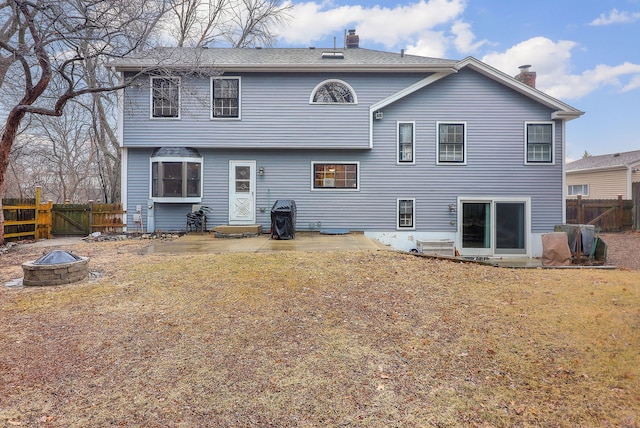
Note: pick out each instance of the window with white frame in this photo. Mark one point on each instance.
(176, 175)
(539, 142)
(578, 189)
(406, 146)
(406, 213)
(335, 175)
(333, 92)
(165, 97)
(225, 97)
(452, 142)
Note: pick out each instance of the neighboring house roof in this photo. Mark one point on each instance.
(335, 60)
(609, 161)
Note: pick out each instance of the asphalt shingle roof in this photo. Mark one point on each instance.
(294, 58)
(605, 161)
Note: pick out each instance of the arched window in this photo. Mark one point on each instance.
(333, 92)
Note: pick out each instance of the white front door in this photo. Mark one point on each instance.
(242, 192)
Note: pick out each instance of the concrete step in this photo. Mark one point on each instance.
(232, 231)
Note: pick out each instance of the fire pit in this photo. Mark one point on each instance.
(55, 268)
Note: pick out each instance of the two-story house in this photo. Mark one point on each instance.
(401, 147)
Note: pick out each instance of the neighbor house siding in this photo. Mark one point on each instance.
(276, 113)
(602, 184)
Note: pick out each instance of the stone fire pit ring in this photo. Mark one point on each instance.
(55, 268)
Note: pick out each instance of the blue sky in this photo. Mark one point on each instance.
(586, 53)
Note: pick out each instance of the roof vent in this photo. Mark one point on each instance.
(334, 55)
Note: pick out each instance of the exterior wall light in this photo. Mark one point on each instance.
(261, 170)
(452, 208)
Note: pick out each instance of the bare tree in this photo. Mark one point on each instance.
(45, 39)
(69, 42)
(237, 23)
(69, 149)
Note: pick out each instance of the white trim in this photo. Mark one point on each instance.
(253, 183)
(120, 123)
(563, 179)
(176, 78)
(464, 142)
(399, 95)
(492, 200)
(598, 169)
(239, 79)
(182, 159)
(124, 177)
(564, 111)
(413, 142)
(334, 189)
(407, 91)
(342, 82)
(553, 143)
(413, 206)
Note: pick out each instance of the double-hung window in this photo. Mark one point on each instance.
(335, 175)
(225, 98)
(539, 143)
(578, 189)
(406, 146)
(176, 175)
(452, 142)
(406, 213)
(165, 97)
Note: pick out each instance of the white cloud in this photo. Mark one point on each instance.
(430, 43)
(634, 83)
(616, 17)
(464, 38)
(552, 61)
(402, 25)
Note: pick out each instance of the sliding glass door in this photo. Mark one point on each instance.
(493, 226)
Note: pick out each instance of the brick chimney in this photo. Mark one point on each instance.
(353, 40)
(527, 77)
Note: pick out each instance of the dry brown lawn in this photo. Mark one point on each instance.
(323, 339)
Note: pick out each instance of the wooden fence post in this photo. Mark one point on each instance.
(579, 210)
(620, 211)
(90, 216)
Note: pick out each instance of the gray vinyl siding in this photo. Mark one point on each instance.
(495, 118)
(275, 113)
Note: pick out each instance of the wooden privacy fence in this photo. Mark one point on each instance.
(27, 217)
(42, 221)
(607, 215)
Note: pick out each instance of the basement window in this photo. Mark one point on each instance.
(406, 213)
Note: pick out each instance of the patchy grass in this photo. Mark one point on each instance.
(374, 339)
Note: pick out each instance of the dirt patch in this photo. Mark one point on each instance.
(359, 338)
(623, 249)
